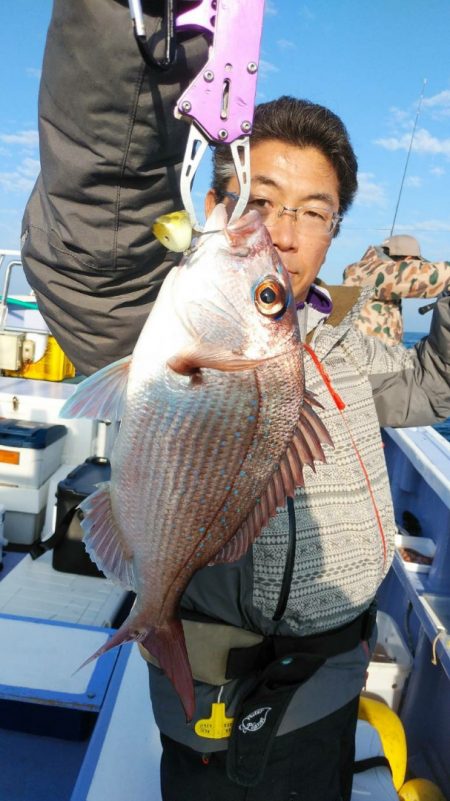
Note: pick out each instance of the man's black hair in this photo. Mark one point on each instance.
(303, 124)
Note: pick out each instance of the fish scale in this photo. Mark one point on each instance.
(216, 428)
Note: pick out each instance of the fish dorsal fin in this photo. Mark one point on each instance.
(103, 539)
(305, 448)
(102, 395)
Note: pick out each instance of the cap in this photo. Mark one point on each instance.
(402, 245)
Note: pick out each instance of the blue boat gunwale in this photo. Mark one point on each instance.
(97, 739)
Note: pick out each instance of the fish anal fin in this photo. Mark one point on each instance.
(168, 646)
(103, 539)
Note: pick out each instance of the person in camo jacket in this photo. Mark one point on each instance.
(396, 270)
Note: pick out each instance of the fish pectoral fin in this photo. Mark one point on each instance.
(103, 539)
(102, 395)
(211, 357)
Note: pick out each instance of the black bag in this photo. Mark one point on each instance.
(69, 554)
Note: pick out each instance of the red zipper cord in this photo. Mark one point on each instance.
(341, 406)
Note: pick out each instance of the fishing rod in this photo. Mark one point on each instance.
(428, 306)
(408, 154)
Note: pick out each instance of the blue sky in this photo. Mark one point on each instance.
(366, 61)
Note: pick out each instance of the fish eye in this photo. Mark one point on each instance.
(270, 297)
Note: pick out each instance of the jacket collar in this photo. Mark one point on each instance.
(344, 299)
(347, 300)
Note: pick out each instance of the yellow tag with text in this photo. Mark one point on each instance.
(217, 726)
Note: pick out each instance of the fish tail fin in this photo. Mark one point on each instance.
(126, 633)
(168, 646)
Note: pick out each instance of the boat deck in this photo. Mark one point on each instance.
(91, 736)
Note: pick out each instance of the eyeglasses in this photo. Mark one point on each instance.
(311, 220)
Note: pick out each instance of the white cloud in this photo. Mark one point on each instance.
(270, 9)
(400, 118)
(414, 181)
(26, 138)
(369, 192)
(30, 167)
(429, 225)
(399, 114)
(437, 171)
(33, 72)
(22, 179)
(423, 142)
(285, 44)
(266, 67)
(439, 103)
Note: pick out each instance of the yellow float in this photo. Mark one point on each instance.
(420, 790)
(392, 735)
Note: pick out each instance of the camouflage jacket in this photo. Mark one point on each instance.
(392, 280)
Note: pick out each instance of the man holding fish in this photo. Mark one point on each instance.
(249, 386)
(217, 431)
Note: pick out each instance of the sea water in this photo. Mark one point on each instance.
(409, 339)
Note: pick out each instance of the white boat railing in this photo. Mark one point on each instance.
(11, 253)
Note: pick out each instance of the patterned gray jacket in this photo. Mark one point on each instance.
(345, 521)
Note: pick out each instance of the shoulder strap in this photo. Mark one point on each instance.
(361, 765)
(42, 546)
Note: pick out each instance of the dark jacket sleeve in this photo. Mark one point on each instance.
(412, 388)
(111, 152)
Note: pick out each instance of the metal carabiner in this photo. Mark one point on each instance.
(170, 40)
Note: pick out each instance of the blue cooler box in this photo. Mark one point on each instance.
(29, 455)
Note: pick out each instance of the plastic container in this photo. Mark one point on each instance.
(423, 545)
(391, 663)
(29, 452)
(53, 366)
(25, 512)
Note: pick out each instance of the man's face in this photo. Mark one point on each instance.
(287, 175)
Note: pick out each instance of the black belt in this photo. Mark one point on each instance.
(282, 664)
(242, 661)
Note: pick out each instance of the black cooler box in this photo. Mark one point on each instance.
(69, 554)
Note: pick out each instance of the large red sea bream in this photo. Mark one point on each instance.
(216, 429)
